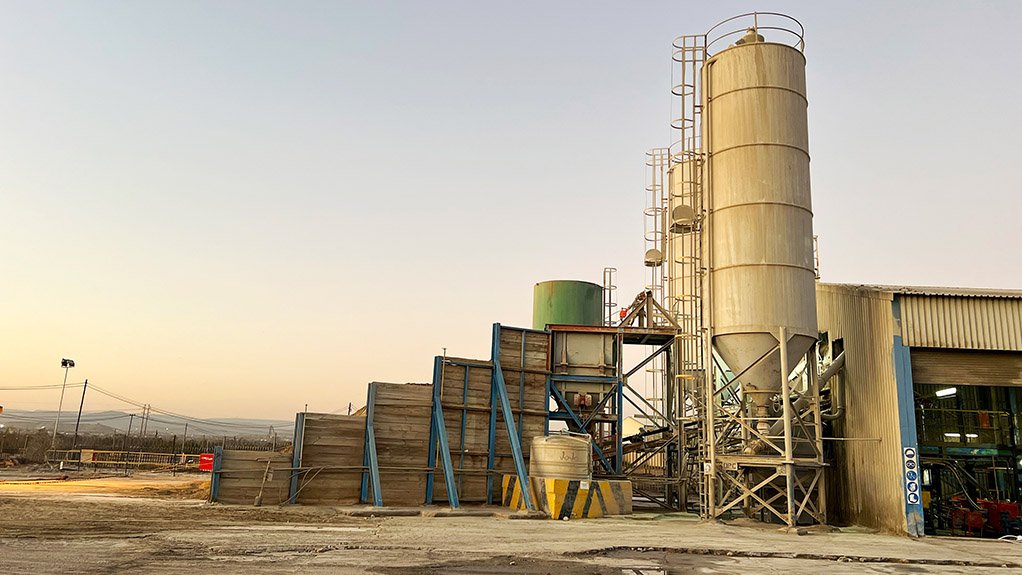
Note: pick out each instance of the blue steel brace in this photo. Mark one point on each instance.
(509, 420)
(370, 462)
(431, 453)
(906, 416)
(438, 434)
(569, 415)
(445, 456)
(296, 458)
(218, 463)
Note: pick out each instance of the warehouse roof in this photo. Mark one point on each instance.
(952, 318)
(936, 291)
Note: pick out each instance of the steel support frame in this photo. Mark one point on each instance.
(564, 412)
(668, 419)
(789, 488)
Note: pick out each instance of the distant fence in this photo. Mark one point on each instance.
(112, 460)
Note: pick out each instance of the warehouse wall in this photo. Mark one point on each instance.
(865, 485)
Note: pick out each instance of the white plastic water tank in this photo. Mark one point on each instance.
(561, 456)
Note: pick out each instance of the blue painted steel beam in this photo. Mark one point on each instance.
(584, 378)
(445, 456)
(509, 420)
(438, 441)
(296, 457)
(431, 453)
(572, 417)
(595, 410)
(907, 419)
(370, 460)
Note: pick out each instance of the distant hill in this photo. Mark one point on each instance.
(107, 422)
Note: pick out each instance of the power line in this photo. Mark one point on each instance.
(85, 417)
(38, 387)
(129, 401)
(239, 426)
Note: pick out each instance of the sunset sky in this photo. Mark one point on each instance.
(232, 209)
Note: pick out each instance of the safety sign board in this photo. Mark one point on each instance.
(911, 461)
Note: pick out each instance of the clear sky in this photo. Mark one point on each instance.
(237, 208)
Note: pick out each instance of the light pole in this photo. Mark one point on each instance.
(67, 364)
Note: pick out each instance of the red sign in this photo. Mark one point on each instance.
(206, 462)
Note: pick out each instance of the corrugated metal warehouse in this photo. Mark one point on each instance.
(930, 436)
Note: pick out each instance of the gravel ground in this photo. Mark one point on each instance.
(154, 524)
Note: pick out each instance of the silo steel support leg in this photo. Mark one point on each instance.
(789, 467)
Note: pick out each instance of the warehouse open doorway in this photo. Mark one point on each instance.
(967, 422)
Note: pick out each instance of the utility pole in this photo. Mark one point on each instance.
(145, 419)
(127, 436)
(74, 442)
(67, 364)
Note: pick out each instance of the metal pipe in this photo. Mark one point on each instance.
(802, 402)
(837, 389)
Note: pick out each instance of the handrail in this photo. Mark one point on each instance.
(787, 25)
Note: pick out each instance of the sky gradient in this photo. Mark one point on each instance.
(237, 208)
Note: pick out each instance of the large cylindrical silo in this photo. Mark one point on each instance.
(760, 229)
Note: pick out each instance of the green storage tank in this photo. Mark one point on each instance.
(569, 302)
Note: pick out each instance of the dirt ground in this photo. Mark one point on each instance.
(161, 524)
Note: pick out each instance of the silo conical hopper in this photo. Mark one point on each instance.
(760, 229)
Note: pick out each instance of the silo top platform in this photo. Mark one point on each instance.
(631, 335)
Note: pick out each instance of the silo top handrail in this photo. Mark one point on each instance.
(788, 25)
